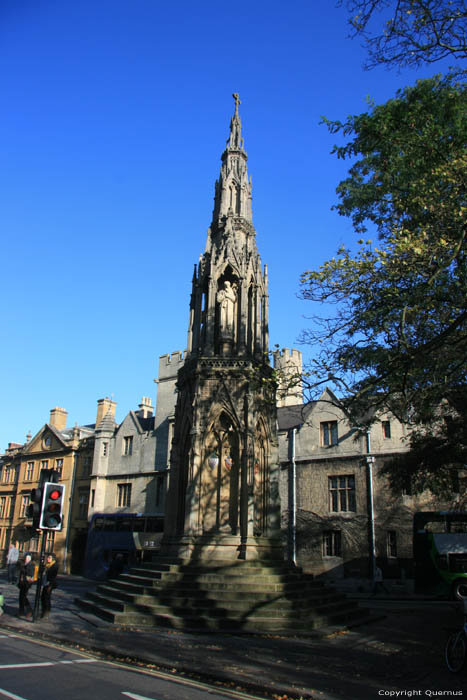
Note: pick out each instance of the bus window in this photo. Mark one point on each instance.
(98, 524)
(124, 524)
(437, 527)
(138, 524)
(154, 525)
(108, 523)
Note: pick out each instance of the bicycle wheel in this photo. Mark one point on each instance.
(455, 651)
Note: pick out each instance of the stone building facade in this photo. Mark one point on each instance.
(339, 515)
(66, 451)
(124, 476)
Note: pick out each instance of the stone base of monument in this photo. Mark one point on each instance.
(224, 547)
(243, 596)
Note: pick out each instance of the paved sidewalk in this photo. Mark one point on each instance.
(400, 648)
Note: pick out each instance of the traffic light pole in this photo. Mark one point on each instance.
(39, 578)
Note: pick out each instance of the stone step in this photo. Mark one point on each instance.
(239, 611)
(246, 575)
(253, 624)
(273, 583)
(227, 569)
(220, 585)
(235, 602)
(222, 564)
(239, 596)
(117, 589)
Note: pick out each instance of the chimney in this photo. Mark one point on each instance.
(58, 418)
(103, 407)
(145, 408)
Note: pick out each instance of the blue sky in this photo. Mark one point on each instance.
(114, 115)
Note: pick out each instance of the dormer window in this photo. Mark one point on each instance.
(328, 433)
(128, 445)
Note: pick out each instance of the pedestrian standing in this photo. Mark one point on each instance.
(49, 583)
(12, 563)
(26, 579)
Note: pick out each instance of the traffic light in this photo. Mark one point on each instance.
(52, 507)
(34, 507)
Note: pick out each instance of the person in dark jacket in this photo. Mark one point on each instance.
(26, 579)
(49, 583)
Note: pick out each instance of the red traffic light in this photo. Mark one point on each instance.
(52, 506)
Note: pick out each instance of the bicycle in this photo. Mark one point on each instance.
(455, 651)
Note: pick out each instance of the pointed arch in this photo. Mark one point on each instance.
(221, 475)
(261, 480)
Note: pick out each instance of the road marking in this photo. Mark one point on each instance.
(42, 663)
(10, 695)
(50, 663)
(137, 697)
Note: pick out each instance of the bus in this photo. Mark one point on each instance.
(440, 553)
(125, 539)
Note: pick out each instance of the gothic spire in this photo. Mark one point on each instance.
(233, 188)
(229, 300)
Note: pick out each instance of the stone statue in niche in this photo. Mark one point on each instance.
(227, 299)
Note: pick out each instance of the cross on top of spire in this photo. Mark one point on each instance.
(237, 102)
(235, 141)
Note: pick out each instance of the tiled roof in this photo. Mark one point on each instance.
(292, 416)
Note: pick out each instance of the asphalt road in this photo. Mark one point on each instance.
(34, 670)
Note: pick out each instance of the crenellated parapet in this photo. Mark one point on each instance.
(170, 364)
(288, 364)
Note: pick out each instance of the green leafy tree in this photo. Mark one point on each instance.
(395, 335)
(409, 33)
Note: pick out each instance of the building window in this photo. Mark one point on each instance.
(332, 543)
(392, 543)
(128, 445)
(24, 507)
(34, 543)
(342, 494)
(29, 475)
(329, 433)
(386, 425)
(159, 490)
(124, 495)
(49, 540)
(87, 465)
(105, 448)
(83, 505)
(45, 464)
(3, 507)
(93, 496)
(59, 467)
(6, 475)
(12, 507)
